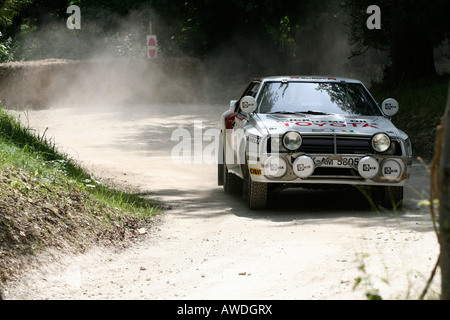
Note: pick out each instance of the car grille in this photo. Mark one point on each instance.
(335, 144)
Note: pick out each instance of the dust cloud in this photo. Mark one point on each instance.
(114, 71)
(102, 64)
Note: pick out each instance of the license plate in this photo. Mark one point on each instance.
(344, 162)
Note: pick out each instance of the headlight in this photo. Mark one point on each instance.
(292, 140)
(381, 142)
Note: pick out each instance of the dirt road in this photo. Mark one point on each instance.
(310, 245)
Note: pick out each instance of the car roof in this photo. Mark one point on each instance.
(307, 79)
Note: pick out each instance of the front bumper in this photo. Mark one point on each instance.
(354, 169)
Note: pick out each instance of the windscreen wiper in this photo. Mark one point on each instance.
(284, 112)
(313, 112)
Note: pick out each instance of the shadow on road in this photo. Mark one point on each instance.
(331, 206)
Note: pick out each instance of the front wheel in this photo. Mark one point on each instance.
(256, 194)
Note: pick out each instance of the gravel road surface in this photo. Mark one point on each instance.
(310, 244)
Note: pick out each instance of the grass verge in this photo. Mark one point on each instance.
(48, 201)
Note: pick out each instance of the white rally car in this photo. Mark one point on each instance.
(312, 131)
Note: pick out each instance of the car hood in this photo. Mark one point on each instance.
(342, 124)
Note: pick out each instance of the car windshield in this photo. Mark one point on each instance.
(316, 98)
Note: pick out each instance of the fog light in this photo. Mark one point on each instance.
(275, 167)
(391, 169)
(303, 167)
(368, 167)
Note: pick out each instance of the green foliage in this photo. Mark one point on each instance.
(9, 9)
(21, 148)
(47, 201)
(5, 50)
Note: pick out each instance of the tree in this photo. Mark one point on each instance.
(410, 30)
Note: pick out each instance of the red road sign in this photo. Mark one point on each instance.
(152, 49)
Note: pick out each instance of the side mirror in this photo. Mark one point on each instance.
(390, 107)
(247, 105)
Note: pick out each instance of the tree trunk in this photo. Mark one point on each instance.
(444, 206)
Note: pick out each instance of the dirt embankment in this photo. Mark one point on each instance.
(58, 82)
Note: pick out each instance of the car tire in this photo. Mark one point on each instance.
(256, 194)
(391, 197)
(231, 183)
